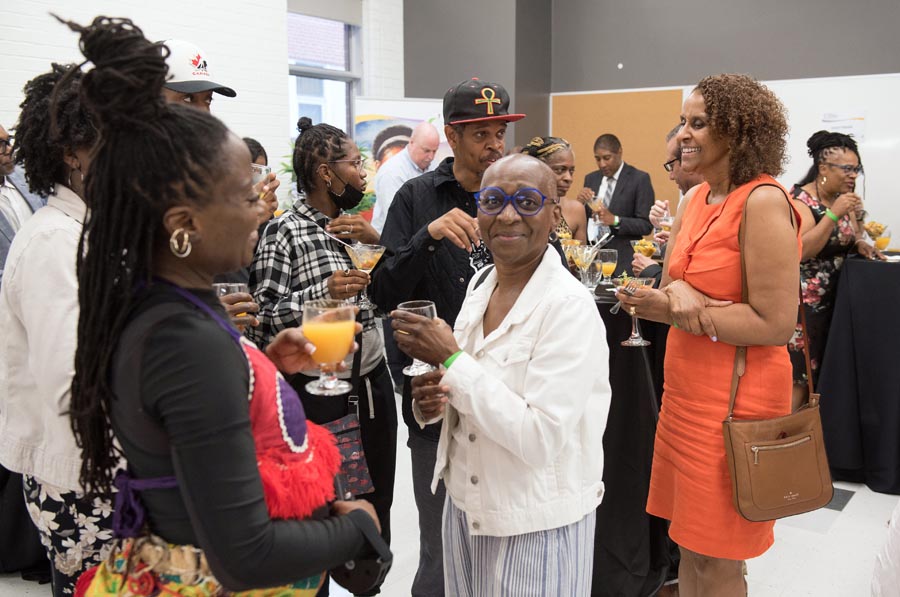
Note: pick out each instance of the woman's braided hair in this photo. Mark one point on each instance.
(543, 147)
(150, 156)
(316, 144)
(43, 136)
(823, 144)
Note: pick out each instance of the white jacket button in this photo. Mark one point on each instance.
(474, 480)
(471, 437)
(475, 525)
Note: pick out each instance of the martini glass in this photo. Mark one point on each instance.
(632, 285)
(583, 257)
(426, 309)
(330, 325)
(365, 258)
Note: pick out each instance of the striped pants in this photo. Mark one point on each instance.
(552, 563)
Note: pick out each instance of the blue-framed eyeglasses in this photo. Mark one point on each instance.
(526, 201)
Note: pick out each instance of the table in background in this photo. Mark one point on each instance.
(860, 378)
(631, 547)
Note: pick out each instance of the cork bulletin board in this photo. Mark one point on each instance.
(640, 119)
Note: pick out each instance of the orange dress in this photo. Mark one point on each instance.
(690, 484)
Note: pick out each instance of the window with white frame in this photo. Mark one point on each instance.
(324, 73)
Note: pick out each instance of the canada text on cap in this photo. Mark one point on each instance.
(189, 70)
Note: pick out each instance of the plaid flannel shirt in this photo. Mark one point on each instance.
(293, 261)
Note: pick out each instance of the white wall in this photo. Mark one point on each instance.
(246, 43)
(382, 49)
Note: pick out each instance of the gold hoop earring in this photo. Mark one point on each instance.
(824, 179)
(180, 249)
(69, 181)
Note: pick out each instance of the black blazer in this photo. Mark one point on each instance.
(631, 201)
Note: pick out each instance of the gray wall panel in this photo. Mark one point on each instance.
(676, 43)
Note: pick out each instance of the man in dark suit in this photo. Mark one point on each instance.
(16, 202)
(622, 197)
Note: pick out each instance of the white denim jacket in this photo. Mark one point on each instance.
(38, 330)
(529, 403)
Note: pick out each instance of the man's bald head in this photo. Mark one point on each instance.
(521, 170)
(423, 144)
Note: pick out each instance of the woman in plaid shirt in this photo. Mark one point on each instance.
(297, 261)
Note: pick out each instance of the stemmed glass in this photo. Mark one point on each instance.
(608, 260)
(426, 309)
(330, 325)
(635, 339)
(583, 257)
(883, 240)
(365, 258)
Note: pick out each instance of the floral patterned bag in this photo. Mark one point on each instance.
(354, 469)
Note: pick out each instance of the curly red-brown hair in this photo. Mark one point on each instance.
(752, 119)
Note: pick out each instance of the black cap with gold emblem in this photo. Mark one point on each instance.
(474, 100)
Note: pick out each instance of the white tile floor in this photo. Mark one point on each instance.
(822, 554)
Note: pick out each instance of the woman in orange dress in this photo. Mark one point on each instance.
(733, 134)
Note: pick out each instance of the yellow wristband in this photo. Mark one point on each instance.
(452, 358)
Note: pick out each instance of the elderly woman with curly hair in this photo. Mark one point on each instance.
(733, 134)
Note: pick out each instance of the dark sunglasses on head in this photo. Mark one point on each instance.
(526, 201)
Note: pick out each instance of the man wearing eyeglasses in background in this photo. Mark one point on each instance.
(17, 204)
(645, 266)
(435, 249)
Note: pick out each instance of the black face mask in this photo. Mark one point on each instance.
(349, 199)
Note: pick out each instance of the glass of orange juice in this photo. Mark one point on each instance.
(883, 240)
(330, 325)
(608, 260)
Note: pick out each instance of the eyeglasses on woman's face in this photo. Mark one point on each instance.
(846, 168)
(526, 201)
(358, 163)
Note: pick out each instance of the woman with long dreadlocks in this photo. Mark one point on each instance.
(221, 462)
(39, 319)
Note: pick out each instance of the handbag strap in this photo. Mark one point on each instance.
(353, 396)
(740, 354)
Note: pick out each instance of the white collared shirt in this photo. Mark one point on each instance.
(13, 205)
(607, 181)
(39, 319)
(521, 448)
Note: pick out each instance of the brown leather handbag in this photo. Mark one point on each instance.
(778, 466)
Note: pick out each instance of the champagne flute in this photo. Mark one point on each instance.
(635, 339)
(365, 258)
(608, 260)
(330, 325)
(426, 309)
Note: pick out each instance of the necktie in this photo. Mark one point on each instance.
(610, 182)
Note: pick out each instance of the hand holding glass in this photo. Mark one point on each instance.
(425, 309)
(330, 325)
(365, 258)
(631, 286)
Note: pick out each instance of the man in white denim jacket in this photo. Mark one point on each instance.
(524, 395)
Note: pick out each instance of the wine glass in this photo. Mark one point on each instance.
(365, 258)
(608, 260)
(330, 325)
(666, 222)
(426, 309)
(583, 257)
(635, 339)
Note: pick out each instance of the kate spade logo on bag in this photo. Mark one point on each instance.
(791, 496)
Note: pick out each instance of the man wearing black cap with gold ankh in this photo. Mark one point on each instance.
(435, 249)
